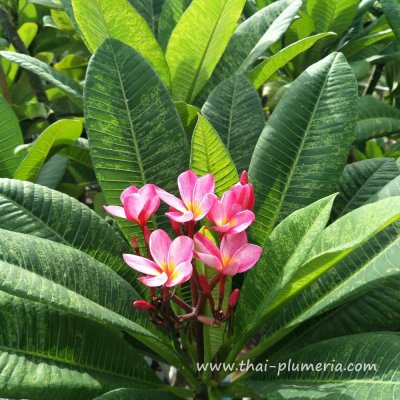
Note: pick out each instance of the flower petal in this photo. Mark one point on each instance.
(128, 191)
(230, 269)
(151, 201)
(241, 221)
(133, 205)
(181, 274)
(186, 184)
(142, 264)
(205, 205)
(205, 245)
(159, 247)
(231, 205)
(154, 281)
(216, 213)
(180, 217)
(171, 200)
(209, 259)
(230, 244)
(204, 185)
(247, 256)
(116, 211)
(181, 250)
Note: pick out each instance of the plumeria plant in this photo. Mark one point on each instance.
(138, 261)
(169, 263)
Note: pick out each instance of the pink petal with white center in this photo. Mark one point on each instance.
(230, 244)
(209, 259)
(181, 274)
(116, 211)
(133, 205)
(205, 245)
(204, 185)
(186, 184)
(142, 264)
(128, 191)
(241, 221)
(247, 256)
(171, 200)
(159, 247)
(154, 281)
(181, 250)
(180, 217)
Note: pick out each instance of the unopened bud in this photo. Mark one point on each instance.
(176, 226)
(143, 305)
(233, 298)
(244, 178)
(135, 244)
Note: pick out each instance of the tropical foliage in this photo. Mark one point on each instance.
(150, 110)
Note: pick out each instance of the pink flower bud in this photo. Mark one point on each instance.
(244, 178)
(233, 298)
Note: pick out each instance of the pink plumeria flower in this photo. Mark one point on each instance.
(138, 204)
(244, 192)
(234, 256)
(172, 263)
(197, 197)
(228, 215)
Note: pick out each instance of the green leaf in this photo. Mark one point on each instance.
(373, 150)
(10, 138)
(245, 38)
(272, 35)
(47, 3)
(102, 19)
(134, 131)
(49, 214)
(263, 71)
(209, 155)
(46, 345)
(332, 15)
(286, 250)
(53, 171)
(304, 147)
(60, 133)
(188, 116)
(381, 381)
(145, 9)
(54, 77)
(391, 8)
(137, 394)
(234, 110)
(361, 180)
(376, 119)
(171, 13)
(198, 42)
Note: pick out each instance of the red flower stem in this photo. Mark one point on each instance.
(182, 304)
(221, 294)
(152, 293)
(214, 281)
(146, 236)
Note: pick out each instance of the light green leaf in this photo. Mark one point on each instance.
(188, 116)
(54, 77)
(361, 180)
(10, 138)
(102, 19)
(39, 340)
(134, 131)
(171, 13)
(246, 36)
(332, 15)
(62, 132)
(286, 250)
(234, 110)
(273, 34)
(47, 3)
(145, 9)
(379, 381)
(209, 155)
(391, 8)
(263, 71)
(49, 214)
(198, 42)
(304, 147)
(376, 119)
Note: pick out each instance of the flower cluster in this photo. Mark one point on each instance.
(169, 263)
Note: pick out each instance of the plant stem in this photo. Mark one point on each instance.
(374, 79)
